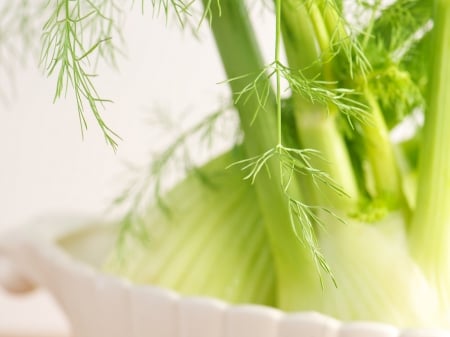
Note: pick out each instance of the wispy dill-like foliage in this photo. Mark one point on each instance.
(188, 13)
(392, 38)
(75, 37)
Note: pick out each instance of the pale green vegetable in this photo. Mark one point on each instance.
(316, 208)
(212, 242)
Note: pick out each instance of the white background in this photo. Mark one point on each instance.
(45, 166)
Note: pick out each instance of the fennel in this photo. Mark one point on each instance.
(315, 208)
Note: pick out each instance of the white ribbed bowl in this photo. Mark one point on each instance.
(98, 305)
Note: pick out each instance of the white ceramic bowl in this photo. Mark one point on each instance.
(63, 253)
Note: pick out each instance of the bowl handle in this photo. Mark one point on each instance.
(11, 279)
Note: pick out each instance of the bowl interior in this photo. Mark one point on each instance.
(91, 244)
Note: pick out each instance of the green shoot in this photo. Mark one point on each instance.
(429, 232)
(74, 32)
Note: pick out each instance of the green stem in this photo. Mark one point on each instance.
(369, 29)
(375, 132)
(316, 124)
(430, 228)
(322, 37)
(277, 69)
(299, 37)
(380, 154)
(297, 279)
(318, 130)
